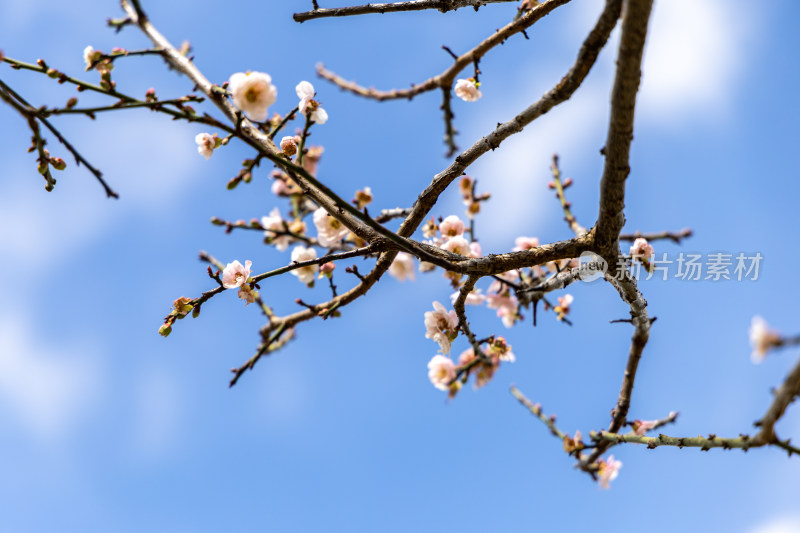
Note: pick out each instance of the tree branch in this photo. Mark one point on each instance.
(413, 5)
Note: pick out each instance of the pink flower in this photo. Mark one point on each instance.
(308, 106)
(402, 267)
(441, 371)
(311, 160)
(441, 326)
(429, 229)
(641, 250)
(205, 144)
(473, 298)
(608, 470)
(467, 90)
(235, 275)
(253, 93)
(501, 350)
(457, 245)
(274, 225)
(562, 309)
(640, 427)
(326, 270)
(451, 226)
(475, 250)
(525, 243)
(330, 231)
(247, 294)
(305, 274)
(762, 338)
(466, 357)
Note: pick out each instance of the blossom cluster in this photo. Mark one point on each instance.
(443, 371)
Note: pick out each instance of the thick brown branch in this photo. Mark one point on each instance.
(611, 218)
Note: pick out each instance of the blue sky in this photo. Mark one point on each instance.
(108, 427)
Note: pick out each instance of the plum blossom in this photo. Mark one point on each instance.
(451, 226)
(642, 250)
(402, 267)
(441, 371)
(305, 274)
(308, 106)
(253, 93)
(499, 297)
(235, 275)
(607, 471)
(475, 250)
(330, 231)
(562, 309)
(573, 443)
(273, 226)
(311, 159)
(90, 55)
(640, 427)
(206, 144)
(468, 90)
(473, 298)
(363, 197)
(283, 186)
(429, 229)
(441, 326)
(289, 145)
(247, 293)
(466, 357)
(326, 269)
(762, 338)
(525, 243)
(457, 245)
(501, 350)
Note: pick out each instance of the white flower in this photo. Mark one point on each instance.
(253, 93)
(330, 230)
(441, 371)
(457, 245)
(641, 250)
(451, 226)
(441, 326)
(608, 471)
(467, 90)
(88, 56)
(473, 298)
(289, 145)
(762, 338)
(205, 144)
(235, 275)
(272, 224)
(308, 106)
(305, 274)
(402, 267)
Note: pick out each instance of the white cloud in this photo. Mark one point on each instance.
(46, 389)
(779, 525)
(695, 54)
(45, 228)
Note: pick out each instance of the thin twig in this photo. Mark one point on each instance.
(413, 5)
